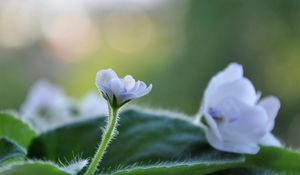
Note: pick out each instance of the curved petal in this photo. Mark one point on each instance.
(122, 98)
(116, 86)
(129, 82)
(271, 105)
(143, 90)
(248, 148)
(241, 89)
(139, 86)
(231, 73)
(136, 86)
(106, 93)
(105, 76)
(270, 140)
(212, 125)
(242, 122)
(133, 95)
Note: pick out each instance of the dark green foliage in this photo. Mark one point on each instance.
(144, 139)
(32, 168)
(10, 150)
(16, 130)
(157, 143)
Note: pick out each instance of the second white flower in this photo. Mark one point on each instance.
(236, 120)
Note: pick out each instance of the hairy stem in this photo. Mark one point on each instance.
(106, 138)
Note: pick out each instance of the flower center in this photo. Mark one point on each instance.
(219, 117)
(216, 114)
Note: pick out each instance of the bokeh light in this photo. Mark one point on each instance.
(176, 45)
(68, 30)
(18, 26)
(128, 29)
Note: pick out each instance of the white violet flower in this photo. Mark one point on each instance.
(45, 106)
(237, 121)
(118, 91)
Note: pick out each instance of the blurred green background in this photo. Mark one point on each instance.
(176, 45)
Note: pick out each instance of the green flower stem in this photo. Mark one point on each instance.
(108, 134)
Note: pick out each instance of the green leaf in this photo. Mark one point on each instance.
(157, 143)
(277, 159)
(33, 168)
(269, 161)
(10, 150)
(245, 171)
(16, 130)
(177, 168)
(144, 139)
